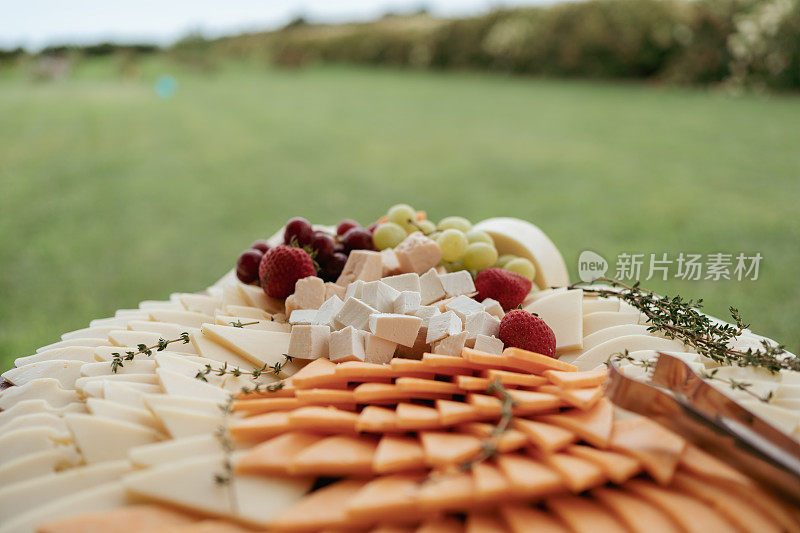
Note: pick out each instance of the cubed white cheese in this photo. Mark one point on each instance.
(379, 295)
(354, 290)
(378, 350)
(361, 264)
(328, 311)
(303, 316)
(440, 326)
(451, 345)
(425, 312)
(457, 283)
(347, 345)
(354, 313)
(417, 253)
(407, 303)
(310, 342)
(332, 289)
(401, 329)
(484, 343)
(481, 323)
(493, 307)
(463, 306)
(404, 282)
(431, 288)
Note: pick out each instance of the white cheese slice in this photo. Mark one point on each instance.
(149, 305)
(523, 239)
(780, 417)
(75, 342)
(29, 407)
(102, 408)
(137, 366)
(189, 368)
(563, 312)
(167, 330)
(65, 372)
(70, 353)
(259, 347)
(102, 439)
(187, 403)
(594, 305)
(21, 497)
(45, 420)
(38, 464)
(200, 303)
(149, 379)
(255, 297)
(119, 322)
(180, 385)
(603, 351)
(245, 311)
(211, 349)
(181, 317)
(264, 324)
(129, 394)
(190, 484)
(174, 450)
(122, 313)
(124, 337)
(231, 295)
(20, 442)
(47, 389)
(182, 423)
(87, 333)
(603, 335)
(593, 322)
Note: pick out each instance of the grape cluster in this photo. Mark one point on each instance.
(400, 221)
(247, 264)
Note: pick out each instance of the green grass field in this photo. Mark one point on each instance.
(109, 196)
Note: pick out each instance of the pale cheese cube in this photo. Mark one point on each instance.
(425, 312)
(401, 329)
(332, 289)
(417, 253)
(451, 345)
(481, 323)
(457, 283)
(493, 307)
(347, 345)
(485, 343)
(407, 303)
(328, 311)
(463, 306)
(431, 289)
(440, 326)
(378, 350)
(354, 290)
(379, 295)
(404, 282)
(391, 265)
(419, 347)
(309, 341)
(303, 316)
(361, 264)
(309, 293)
(354, 313)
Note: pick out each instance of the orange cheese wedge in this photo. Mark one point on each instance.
(260, 427)
(386, 499)
(342, 398)
(657, 448)
(546, 437)
(358, 371)
(485, 523)
(583, 515)
(398, 454)
(594, 426)
(532, 402)
(318, 373)
(637, 514)
(377, 393)
(581, 398)
(536, 363)
(524, 519)
(508, 441)
(265, 405)
(322, 419)
(439, 363)
(323, 508)
(419, 385)
(618, 467)
(486, 360)
(126, 520)
(412, 417)
(472, 383)
(489, 483)
(577, 380)
(579, 474)
(275, 455)
(376, 419)
(442, 449)
(339, 455)
(528, 477)
(441, 525)
(512, 379)
(447, 491)
(704, 465)
(451, 412)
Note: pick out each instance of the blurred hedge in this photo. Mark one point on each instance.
(742, 42)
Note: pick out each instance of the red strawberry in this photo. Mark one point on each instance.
(508, 288)
(280, 269)
(521, 329)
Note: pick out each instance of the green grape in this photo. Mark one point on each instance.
(503, 260)
(479, 256)
(455, 266)
(459, 223)
(388, 235)
(426, 226)
(476, 235)
(523, 266)
(453, 244)
(403, 215)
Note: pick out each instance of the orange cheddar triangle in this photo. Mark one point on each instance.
(426, 385)
(318, 396)
(529, 478)
(488, 360)
(704, 465)
(451, 412)
(546, 437)
(412, 417)
(323, 508)
(531, 402)
(339, 455)
(376, 419)
(318, 373)
(579, 474)
(485, 405)
(410, 367)
(323, 419)
(260, 427)
(581, 398)
(442, 449)
(398, 454)
(512, 379)
(386, 499)
(274, 455)
(508, 441)
(483, 522)
(265, 405)
(657, 448)
(618, 467)
(361, 371)
(490, 484)
(447, 491)
(439, 362)
(441, 525)
(524, 519)
(472, 383)
(583, 515)
(577, 380)
(594, 426)
(637, 514)
(536, 363)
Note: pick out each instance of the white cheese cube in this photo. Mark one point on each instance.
(440, 326)
(303, 316)
(419, 347)
(404, 282)
(425, 312)
(417, 253)
(493, 307)
(407, 303)
(378, 350)
(328, 311)
(401, 329)
(361, 264)
(481, 323)
(484, 343)
(309, 293)
(463, 306)
(309, 342)
(431, 289)
(451, 345)
(354, 313)
(457, 283)
(354, 290)
(332, 289)
(379, 295)
(347, 345)
(391, 265)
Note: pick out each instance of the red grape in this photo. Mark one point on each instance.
(371, 227)
(323, 244)
(261, 245)
(357, 239)
(334, 266)
(247, 265)
(346, 225)
(300, 229)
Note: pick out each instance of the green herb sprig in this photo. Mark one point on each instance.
(236, 371)
(117, 358)
(489, 446)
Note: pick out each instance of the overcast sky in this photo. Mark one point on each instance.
(34, 24)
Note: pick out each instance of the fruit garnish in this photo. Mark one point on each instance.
(247, 265)
(388, 235)
(261, 245)
(333, 266)
(345, 225)
(479, 256)
(403, 215)
(508, 288)
(323, 244)
(298, 230)
(522, 266)
(280, 269)
(524, 330)
(453, 244)
(357, 239)
(460, 223)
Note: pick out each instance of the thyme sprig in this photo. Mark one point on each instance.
(223, 435)
(236, 371)
(679, 318)
(489, 446)
(117, 358)
(239, 324)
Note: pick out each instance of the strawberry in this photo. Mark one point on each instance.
(281, 267)
(521, 329)
(508, 288)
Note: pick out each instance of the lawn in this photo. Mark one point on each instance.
(109, 196)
